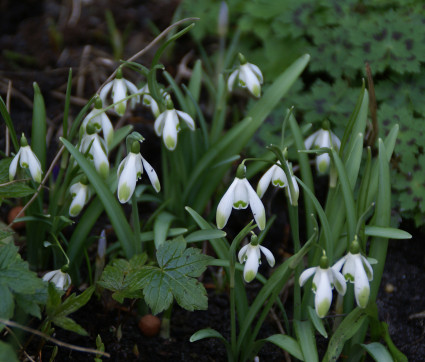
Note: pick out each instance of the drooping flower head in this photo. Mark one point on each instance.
(80, 195)
(320, 139)
(277, 177)
(59, 278)
(130, 170)
(357, 270)
(251, 256)
(119, 88)
(239, 195)
(96, 149)
(248, 76)
(100, 121)
(27, 159)
(149, 101)
(325, 279)
(167, 125)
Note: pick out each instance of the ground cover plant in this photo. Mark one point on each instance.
(154, 188)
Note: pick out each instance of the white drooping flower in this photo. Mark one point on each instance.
(80, 195)
(251, 256)
(248, 76)
(27, 159)
(149, 101)
(130, 170)
(167, 125)
(325, 279)
(60, 279)
(277, 177)
(119, 88)
(239, 195)
(357, 270)
(320, 139)
(97, 151)
(100, 120)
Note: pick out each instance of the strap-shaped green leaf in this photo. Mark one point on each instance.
(378, 352)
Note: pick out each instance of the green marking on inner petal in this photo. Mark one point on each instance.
(75, 210)
(278, 183)
(170, 143)
(363, 297)
(221, 220)
(314, 287)
(124, 192)
(349, 277)
(104, 170)
(323, 307)
(120, 108)
(240, 204)
(24, 165)
(249, 276)
(323, 166)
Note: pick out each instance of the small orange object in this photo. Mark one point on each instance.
(12, 216)
(150, 325)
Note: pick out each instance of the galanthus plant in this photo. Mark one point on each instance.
(60, 279)
(95, 146)
(27, 160)
(80, 194)
(247, 75)
(238, 196)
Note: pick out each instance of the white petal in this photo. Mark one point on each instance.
(269, 255)
(224, 207)
(100, 158)
(122, 165)
(128, 178)
(248, 79)
(322, 162)
(79, 199)
(264, 182)
(256, 71)
(232, 79)
(153, 177)
(241, 195)
(322, 139)
(49, 275)
(188, 119)
(338, 265)
(361, 283)
(105, 90)
(367, 267)
(251, 266)
(133, 90)
(306, 274)
(349, 270)
(339, 281)
(108, 130)
(336, 143)
(293, 199)
(34, 165)
(119, 91)
(23, 160)
(159, 123)
(14, 165)
(257, 206)
(279, 178)
(242, 252)
(171, 127)
(310, 140)
(323, 299)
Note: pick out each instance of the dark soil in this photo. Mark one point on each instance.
(39, 42)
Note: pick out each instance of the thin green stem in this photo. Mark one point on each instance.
(294, 221)
(136, 224)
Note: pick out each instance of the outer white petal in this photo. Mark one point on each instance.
(188, 119)
(34, 165)
(153, 177)
(306, 274)
(293, 199)
(367, 267)
(79, 200)
(49, 275)
(159, 123)
(139, 166)
(248, 79)
(90, 116)
(108, 130)
(361, 283)
(322, 139)
(225, 205)
(322, 162)
(133, 90)
(257, 206)
(14, 165)
(269, 255)
(128, 178)
(310, 140)
(232, 79)
(57, 277)
(100, 158)
(171, 127)
(336, 143)
(339, 281)
(338, 265)
(121, 166)
(264, 182)
(323, 298)
(251, 265)
(242, 252)
(105, 90)
(256, 71)
(241, 195)
(119, 91)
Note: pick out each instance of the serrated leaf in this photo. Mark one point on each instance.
(174, 277)
(70, 325)
(16, 190)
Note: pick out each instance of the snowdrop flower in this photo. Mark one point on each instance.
(167, 124)
(239, 195)
(27, 159)
(130, 170)
(149, 101)
(80, 195)
(357, 270)
(60, 279)
(324, 280)
(97, 151)
(277, 177)
(250, 254)
(119, 87)
(248, 76)
(99, 119)
(319, 139)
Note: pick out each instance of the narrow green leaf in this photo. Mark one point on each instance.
(202, 235)
(207, 333)
(317, 322)
(67, 102)
(70, 325)
(306, 340)
(38, 138)
(119, 135)
(387, 232)
(378, 352)
(110, 203)
(288, 344)
(161, 227)
(6, 116)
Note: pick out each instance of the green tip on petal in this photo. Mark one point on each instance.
(323, 307)
(323, 167)
(120, 108)
(37, 177)
(124, 193)
(256, 91)
(221, 220)
(157, 186)
(170, 143)
(262, 221)
(104, 170)
(363, 297)
(249, 276)
(75, 210)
